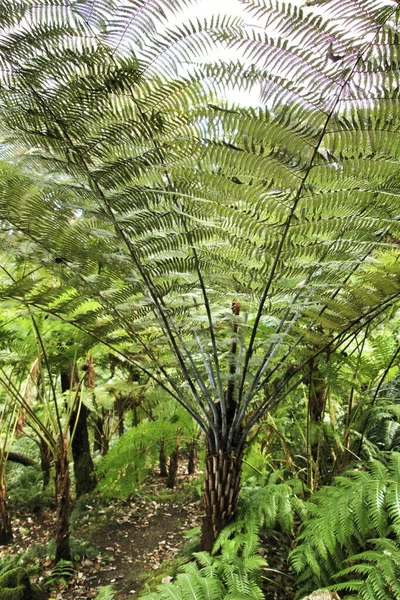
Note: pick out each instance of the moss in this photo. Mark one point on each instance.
(15, 585)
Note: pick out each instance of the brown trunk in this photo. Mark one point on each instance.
(63, 499)
(6, 535)
(173, 469)
(85, 481)
(317, 395)
(223, 468)
(19, 459)
(221, 493)
(316, 408)
(192, 461)
(163, 460)
(45, 457)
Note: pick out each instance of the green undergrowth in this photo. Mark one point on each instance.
(350, 539)
(135, 454)
(149, 580)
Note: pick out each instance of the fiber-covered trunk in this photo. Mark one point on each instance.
(85, 481)
(223, 465)
(63, 499)
(192, 458)
(45, 462)
(6, 535)
(221, 493)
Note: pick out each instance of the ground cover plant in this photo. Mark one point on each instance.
(185, 273)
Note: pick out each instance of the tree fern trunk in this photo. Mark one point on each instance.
(85, 481)
(45, 458)
(192, 459)
(221, 493)
(173, 469)
(6, 535)
(63, 499)
(163, 460)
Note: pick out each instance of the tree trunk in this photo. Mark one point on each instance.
(316, 407)
(101, 441)
(173, 469)
(20, 459)
(63, 499)
(6, 535)
(192, 461)
(163, 460)
(85, 481)
(220, 493)
(45, 457)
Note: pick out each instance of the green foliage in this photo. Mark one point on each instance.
(372, 574)
(105, 593)
(264, 506)
(362, 504)
(229, 576)
(25, 487)
(145, 211)
(60, 573)
(15, 585)
(136, 453)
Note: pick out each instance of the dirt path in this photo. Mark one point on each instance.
(114, 544)
(136, 539)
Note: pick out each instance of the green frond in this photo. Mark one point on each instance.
(342, 519)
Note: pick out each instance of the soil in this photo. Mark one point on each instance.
(121, 544)
(138, 538)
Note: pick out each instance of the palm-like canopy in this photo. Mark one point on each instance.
(155, 205)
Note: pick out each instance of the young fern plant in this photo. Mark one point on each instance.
(106, 593)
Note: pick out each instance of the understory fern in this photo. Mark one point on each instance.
(374, 574)
(136, 453)
(343, 520)
(264, 507)
(233, 571)
(229, 576)
(106, 593)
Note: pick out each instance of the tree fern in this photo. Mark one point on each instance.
(156, 203)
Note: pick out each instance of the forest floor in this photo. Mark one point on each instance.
(127, 544)
(124, 544)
